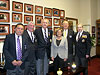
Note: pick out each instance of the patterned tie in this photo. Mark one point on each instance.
(19, 49)
(32, 37)
(45, 35)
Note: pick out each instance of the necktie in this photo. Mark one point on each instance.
(78, 35)
(19, 49)
(45, 36)
(65, 34)
(32, 37)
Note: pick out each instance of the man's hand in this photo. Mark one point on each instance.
(19, 63)
(65, 59)
(87, 56)
(14, 63)
(52, 58)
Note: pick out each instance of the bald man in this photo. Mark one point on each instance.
(82, 48)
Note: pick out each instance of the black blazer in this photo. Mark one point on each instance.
(32, 46)
(42, 45)
(83, 45)
(70, 39)
(9, 50)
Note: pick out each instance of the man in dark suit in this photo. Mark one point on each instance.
(82, 48)
(44, 36)
(68, 34)
(30, 65)
(15, 51)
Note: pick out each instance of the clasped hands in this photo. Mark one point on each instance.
(17, 63)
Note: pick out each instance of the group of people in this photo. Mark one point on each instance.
(28, 52)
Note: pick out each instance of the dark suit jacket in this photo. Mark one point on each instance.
(70, 39)
(42, 45)
(83, 45)
(9, 50)
(32, 46)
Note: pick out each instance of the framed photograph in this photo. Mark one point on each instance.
(56, 22)
(16, 17)
(28, 8)
(17, 6)
(50, 28)
(4, 17)
(50, 21)
(56, 12)
(62, 13)
(93, 29)
(38, 20)
(28, 18)
(38, 27)
(93, 35)
(4, 29)
(38, 10)
(48, 12)
(55, 29)
(61, 22)
(4, 4)
(13, 27)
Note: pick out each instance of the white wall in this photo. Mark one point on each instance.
(98, 12)
(85, 12)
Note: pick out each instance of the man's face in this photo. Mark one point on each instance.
(30, 27)
(44, 23)
(19, 30)
(80, 28)
(65, 25)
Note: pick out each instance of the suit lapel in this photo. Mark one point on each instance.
(42, 34)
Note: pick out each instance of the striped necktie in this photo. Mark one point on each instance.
(45, 35)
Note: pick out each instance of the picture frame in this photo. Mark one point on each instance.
(16, 17)
(61, 22)
(28, 8)
(38, 20)
(93, 29)
(4, 5)
(28, 18)
(55, 28)
(4, 17)
(93, 35)
(50, 21)
(62, 13)
(17, 6)
(56, 22)
(4, 29)
(13, 27)
(38, 10)
(48, 12)
(56, 12)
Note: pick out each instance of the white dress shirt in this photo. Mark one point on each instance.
(30, 35)
(44, 31)
(78, 34)
(65, 31)
(20, 37)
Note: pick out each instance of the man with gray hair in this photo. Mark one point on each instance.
(30, 64)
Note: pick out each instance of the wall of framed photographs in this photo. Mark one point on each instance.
(13, 12)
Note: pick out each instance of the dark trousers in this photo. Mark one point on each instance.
(30, 68)
(83, 62)
(42, 65)
(58, 63)
(16, 71)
